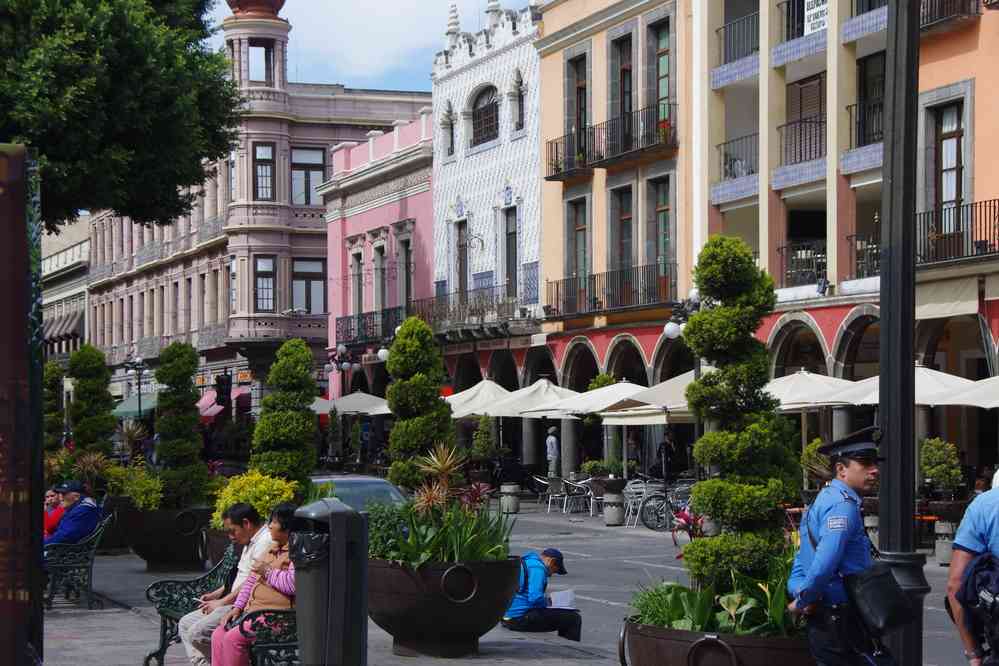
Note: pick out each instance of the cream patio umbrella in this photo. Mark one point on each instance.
(538, 393)
(804, 391)
(984, 393)
(476, 400)
(657, 405)
(588, 402)
(931, 385)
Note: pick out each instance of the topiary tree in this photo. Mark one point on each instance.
(751, 453)
(52, 392)
(178, 452)
(940, 464)
(422, 418)
(90, 414)
(284, 437)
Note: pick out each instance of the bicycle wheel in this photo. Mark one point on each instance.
(656, 513)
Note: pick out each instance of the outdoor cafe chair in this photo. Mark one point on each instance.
(575, 493)
(556, 491)
(634, 493)
(596, 496)
(541, 486)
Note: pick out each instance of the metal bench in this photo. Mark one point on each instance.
(174, 599)
(70, 567)
(275, 634)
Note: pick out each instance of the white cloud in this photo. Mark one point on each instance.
(368, 40)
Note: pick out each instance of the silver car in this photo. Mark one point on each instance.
(360, 492)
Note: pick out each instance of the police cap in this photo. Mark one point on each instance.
(861, 445)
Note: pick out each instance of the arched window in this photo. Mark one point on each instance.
(447, 123)
(485, 116)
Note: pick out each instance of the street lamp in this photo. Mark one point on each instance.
(383, 354)
(137, 366)
(673, 330)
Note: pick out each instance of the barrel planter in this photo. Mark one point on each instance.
(644, 645)
(170, 539)
(440, 609)
(115, 537)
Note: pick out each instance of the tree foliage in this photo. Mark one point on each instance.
(178, 452)
(422, 418)
(90, 414)
(285, 435)
(52, 393)
(751, 453)
(122, 99)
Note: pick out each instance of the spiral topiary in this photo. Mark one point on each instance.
(178, 452)
(52, 405)
(90, 413)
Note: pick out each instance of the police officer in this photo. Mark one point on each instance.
(834, 544)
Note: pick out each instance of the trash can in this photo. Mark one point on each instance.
(510, 498)
(613, 509)
(329, 546)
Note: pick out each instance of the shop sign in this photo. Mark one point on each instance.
(244, 377)
(816, 16)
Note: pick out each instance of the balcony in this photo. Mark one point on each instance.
(210, 229)
(935, 14)
(739, 38)
(621, 139)
(802, 140)
(369, 326)
(638, 286)
(739, 157)
(476, 313)
(149, 253)
(100, 272)
(802, 263)
(792, 19)
(864, 6)
(866, 123)
(568, 157)
(150, 347)
(865, 255)
(959, 232)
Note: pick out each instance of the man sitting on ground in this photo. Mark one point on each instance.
(80, 514)
(243, 525)
(531, 609)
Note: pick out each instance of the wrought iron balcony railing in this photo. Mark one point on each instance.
(150, 347)
(472, 308)
(802, 140)
(958, 232)
(619, 138)
(739, 38)
(212, 336)
(865, 255)
(935, 12)
(802, 263)
(866, 123)
(637, 286)
(570, 155)
(100, 272)
(369, 326)
(149, 253)
(210, 229)
(864, 6)
(739, 157)
(792, 19)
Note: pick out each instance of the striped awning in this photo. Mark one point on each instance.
(72, 326)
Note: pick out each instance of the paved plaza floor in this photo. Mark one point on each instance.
(606, 565)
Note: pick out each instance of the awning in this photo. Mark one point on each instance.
(475, 400)
(947, 298)
(72, 326)
(51, 328)
(209, 410)
(129, 407)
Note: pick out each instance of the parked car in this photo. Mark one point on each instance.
(359, 492)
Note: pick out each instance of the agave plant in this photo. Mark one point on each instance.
(442, 463)
(91, 466)
(475, 496)
(132, 434)
(432, 495)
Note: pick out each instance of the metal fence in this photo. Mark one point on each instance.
(866, 123)
(958, 232)
(864, 6)
(650, 127)
(739, 38)
(937, 11)
(652, 284)
(802, 140)
(802, 263)
(739, 157)
(865, 255)
(792, 19)
(569, 153)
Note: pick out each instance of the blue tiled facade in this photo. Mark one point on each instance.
(860, 159)
(729, 73)
(530, 287)
(734, 189)
(791, 175)
(482, 280)
(868, 23)
(799, 48)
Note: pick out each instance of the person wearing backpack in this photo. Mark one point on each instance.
(530, 609)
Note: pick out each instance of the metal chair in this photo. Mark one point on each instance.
(556, 491)
(541, 485)
(634, 493)
(596, 496)
(574, 494)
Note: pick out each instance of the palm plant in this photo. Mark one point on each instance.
(132, 434)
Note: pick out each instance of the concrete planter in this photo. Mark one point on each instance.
(944, 545)
(510, 498)
(613, 509)
(170, 539)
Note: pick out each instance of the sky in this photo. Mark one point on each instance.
(387, 44)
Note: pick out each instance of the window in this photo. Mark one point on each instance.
(264, 283)
(188, 297)
(657, 235)
(577, 238)
(263, 171)
(262, 61)
(461, 234)
(175, 315)
(623, 47)
(485, 117)
(232, 176)
(950, 160)
(129, 319)
(358, 278)
(662, 69)
(624, 235)
(380, 278)
(232, 283)
(519, 124)
(202, 295)
(579, 70)
(307, 171)
(308, 285)
(511, 252)
(406, 248)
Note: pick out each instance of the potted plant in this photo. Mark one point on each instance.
(260, 491)
(753, 450)
(941, 468)
(130, 488)
(440, 573)
(817, 471)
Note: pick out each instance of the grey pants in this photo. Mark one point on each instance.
(553, 468)
(195, 630)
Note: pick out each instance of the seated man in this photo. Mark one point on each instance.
(530, 609)
(271, 585)
(81, 514)
(243, 525)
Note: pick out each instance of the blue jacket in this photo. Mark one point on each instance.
(79, 522)
(530, 593)
(835, 523)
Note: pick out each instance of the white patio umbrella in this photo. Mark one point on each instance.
(804, 391)
(538, 393)
(984, 393)
(930, 385)
(589, 402)
(355, 403)
(476, 400)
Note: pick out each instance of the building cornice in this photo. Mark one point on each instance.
(411, 158)
(336, 214)
(591, 24)
(452, 72)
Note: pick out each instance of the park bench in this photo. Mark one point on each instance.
(276, 637)
(70, 567)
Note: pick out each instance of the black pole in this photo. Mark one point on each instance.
(138, 381)
(897, 381)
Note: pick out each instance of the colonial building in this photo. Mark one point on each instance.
(247, 269)
(380, 225)
(65, 262)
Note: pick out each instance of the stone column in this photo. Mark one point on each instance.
(198, 211)
(126, 229)
(211, 297)
(220, 304)
(212, 197)
(115, 322)
(570, 448)
(841, 423)
(168, 327)
(149, 308)
(136, 317)
(529, 442)
(157, 311)
(115, 239)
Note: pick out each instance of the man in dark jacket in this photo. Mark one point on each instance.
(81, 515)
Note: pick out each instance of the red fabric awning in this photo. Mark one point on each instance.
(206, 401)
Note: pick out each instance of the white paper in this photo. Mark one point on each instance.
(564, 599)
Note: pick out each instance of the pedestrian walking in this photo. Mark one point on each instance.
(833, 545)
(551, 445)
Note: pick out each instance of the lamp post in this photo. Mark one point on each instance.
(674, 329)
(137, 366)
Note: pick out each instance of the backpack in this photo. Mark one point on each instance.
(979, 595)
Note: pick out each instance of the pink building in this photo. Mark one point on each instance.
(379, 221)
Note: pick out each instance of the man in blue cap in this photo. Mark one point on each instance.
(834, 544)
(81, 514)
(531, 609)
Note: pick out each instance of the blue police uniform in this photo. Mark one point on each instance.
(979, 529)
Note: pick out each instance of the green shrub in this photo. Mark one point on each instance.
(600, 381)
(90, 413)
(484, 445)
(734, 504)
(386, 523)
(178, 452)
(260, 491)
(405, 474)
(52, 405)
(454, 533)
(594, 468)
(939, 462)
(815, 464)
(136, 482)
(711, 560)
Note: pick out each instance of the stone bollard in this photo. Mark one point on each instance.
(510, 498)
(944, 546)
(871, 527)
(613, 509)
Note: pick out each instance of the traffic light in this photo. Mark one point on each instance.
(223, 389)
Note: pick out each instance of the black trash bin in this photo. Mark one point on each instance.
(329, 546)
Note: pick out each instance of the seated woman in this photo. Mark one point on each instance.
(53, 511)
(271, 585)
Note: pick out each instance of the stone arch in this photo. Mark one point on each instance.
(581, 364)
(466, 372)
(670, 358)
(626, 360)
(926, 339)
(537, 364)
(849, 336)
(785, 336)
(474, 93)
(503, 369)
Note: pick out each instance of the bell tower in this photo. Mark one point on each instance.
(256, 40)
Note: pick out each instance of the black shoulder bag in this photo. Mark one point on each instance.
(875, 594)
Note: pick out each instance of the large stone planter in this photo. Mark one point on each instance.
(644, 645)
(943, 542)
(170, 539)
(115, 537)
(441, 609)
(216, 543)
(510, 498)
(613, 509)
